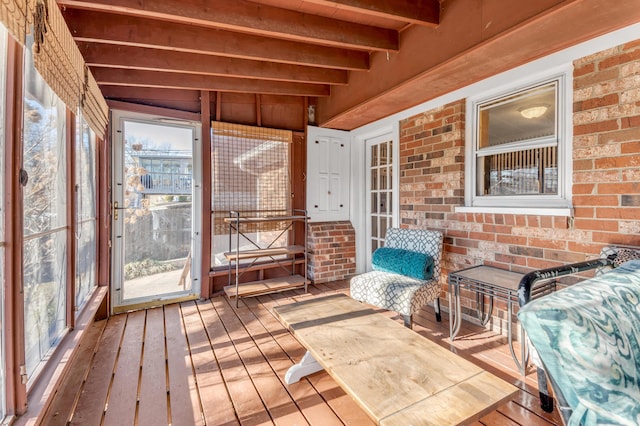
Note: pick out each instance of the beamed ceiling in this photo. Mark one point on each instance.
(356, 60)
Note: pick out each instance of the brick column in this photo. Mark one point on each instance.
(332, 251)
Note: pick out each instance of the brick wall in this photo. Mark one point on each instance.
(606, 179)
(332, 247)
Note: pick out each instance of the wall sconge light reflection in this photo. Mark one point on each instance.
(533, 112)
(311, 114)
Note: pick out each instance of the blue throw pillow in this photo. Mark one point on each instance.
(404, 262)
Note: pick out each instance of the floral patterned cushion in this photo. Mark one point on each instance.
(588, 338)
(397, 292)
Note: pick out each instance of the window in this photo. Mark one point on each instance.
(45, 218)
(250, 174)
(86, 228)
(518, 148)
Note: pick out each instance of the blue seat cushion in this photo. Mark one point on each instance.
(405, 262)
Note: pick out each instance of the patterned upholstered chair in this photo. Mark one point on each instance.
(585, 339)
(395, 291)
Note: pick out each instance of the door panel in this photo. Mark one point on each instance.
(379, 188)
(155, 219)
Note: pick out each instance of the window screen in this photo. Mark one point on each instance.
(250, 174)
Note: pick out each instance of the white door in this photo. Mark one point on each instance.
(156, 193)
(379, 192)
(328, 180)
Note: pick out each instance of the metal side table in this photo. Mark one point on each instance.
(491, 282)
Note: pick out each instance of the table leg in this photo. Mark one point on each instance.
(521, 364)
(455, 312)
(308, 365)
(483, 316)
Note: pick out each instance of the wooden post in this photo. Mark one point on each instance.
(205, 259)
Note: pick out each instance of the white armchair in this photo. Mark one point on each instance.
(399, 292)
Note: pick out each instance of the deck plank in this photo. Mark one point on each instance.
(184, 399)
(340, 403)
(246, 399)
(305, 396)
(92, 401)
(123, 397)
(207, 374)
(217, 406)
(152, 409)
(272, 391)
(66, 399)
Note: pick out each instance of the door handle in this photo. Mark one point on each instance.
(115, 210)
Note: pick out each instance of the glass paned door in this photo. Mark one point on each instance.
(379, 191)
(153, 213)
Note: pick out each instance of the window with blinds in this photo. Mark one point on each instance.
(518, 147)
(250, 169)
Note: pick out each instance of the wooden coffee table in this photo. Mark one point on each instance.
(397, 376)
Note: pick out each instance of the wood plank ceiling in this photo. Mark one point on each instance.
(138, 48)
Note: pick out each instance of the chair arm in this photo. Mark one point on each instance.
(527, 282)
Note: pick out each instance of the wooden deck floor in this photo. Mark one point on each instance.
(208, 363)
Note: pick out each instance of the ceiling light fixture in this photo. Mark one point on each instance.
(533, 112)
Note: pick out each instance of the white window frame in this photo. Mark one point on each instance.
(544, 204)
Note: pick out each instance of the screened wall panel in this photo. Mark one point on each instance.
(250, 174)
(86, 213)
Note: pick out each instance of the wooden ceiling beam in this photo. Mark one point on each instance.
(252, 18)
(142, 58)
(150, 93)
(419, 12)
(133, 31)
(124, 77)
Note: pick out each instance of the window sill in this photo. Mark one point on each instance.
(533, 211)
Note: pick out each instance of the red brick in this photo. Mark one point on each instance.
(583, 164)
(630, 122)
(455, 249)
(626, 213)
(584, 188)
(619, 188)
(624, 135)
(535, 263)
(563, 256)
(463, 242)
(596, 225)
(595, 200)
(595, 78)
(510, 259)
(512, 239)
(618, 162)
(483, 236)
(497, 229)
(630, 147)
(614, 238)
(584, 212)
(561, 222)
(585, 69)
(600, 127)
(587, 104)
(558, 244)
(617, 60)
(584, 247)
